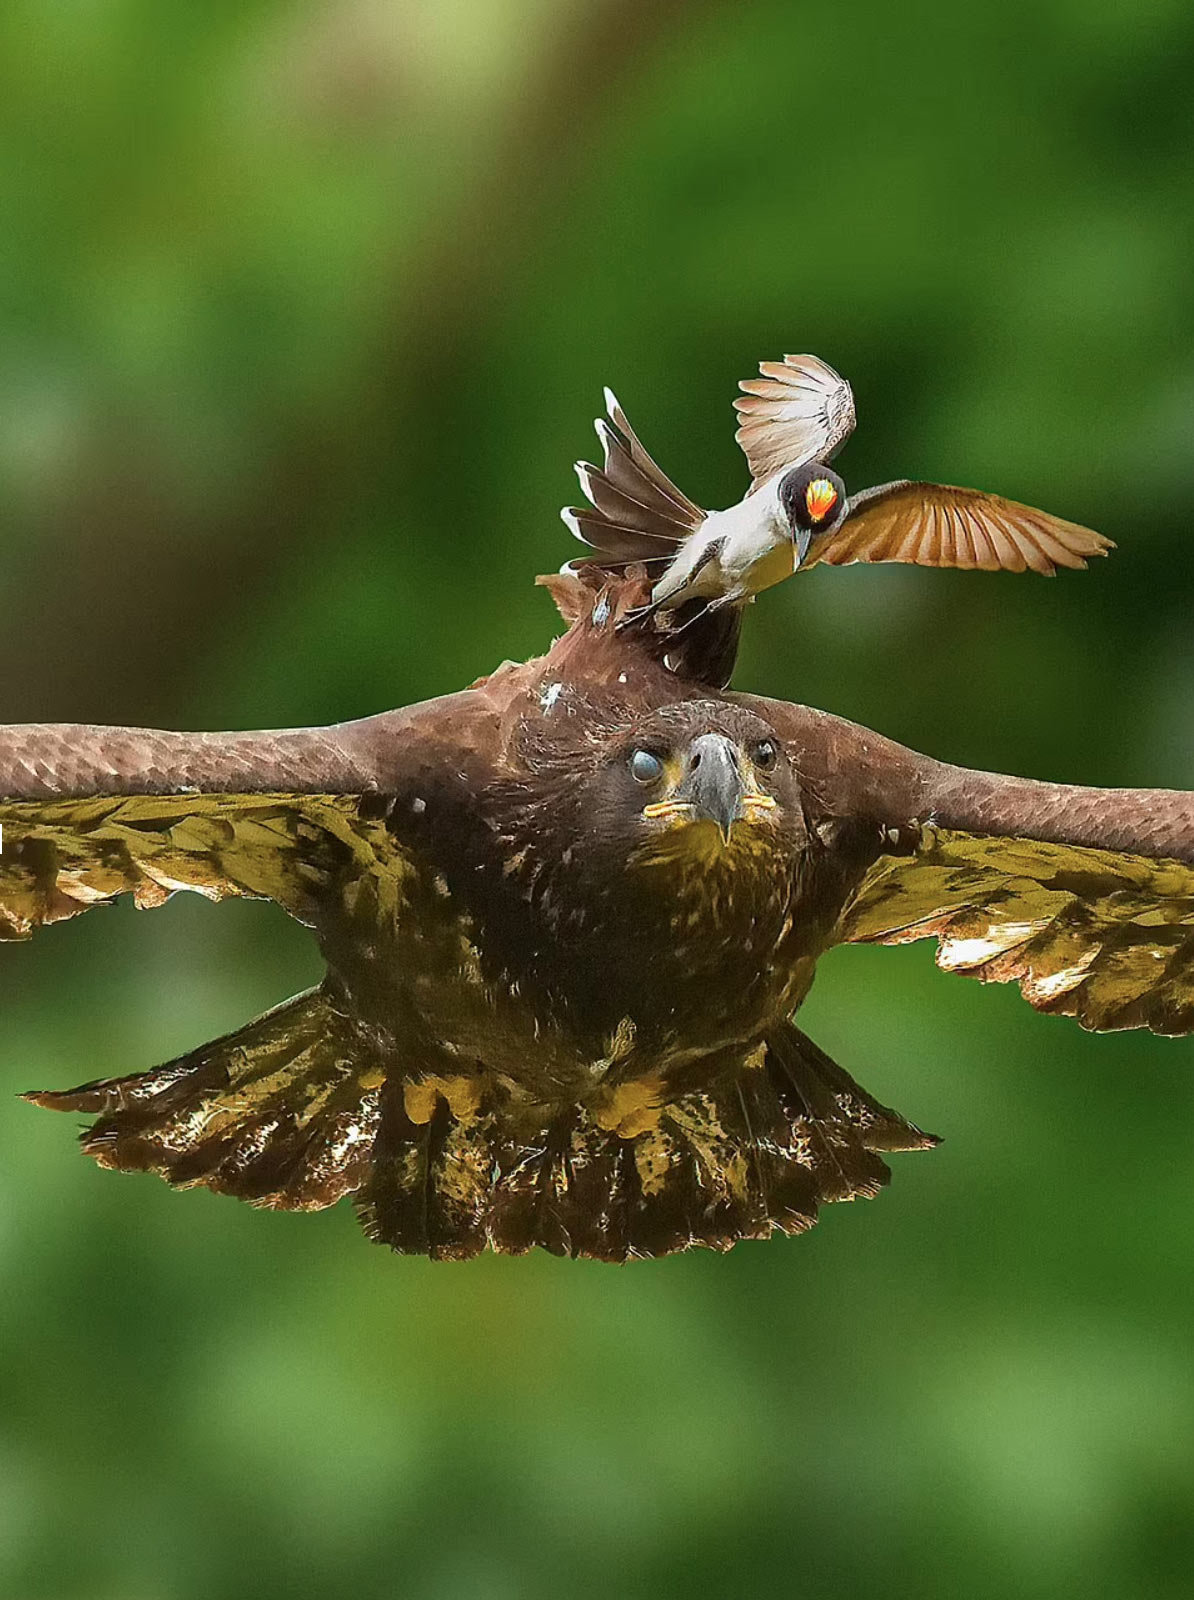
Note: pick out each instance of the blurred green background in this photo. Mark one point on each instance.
(305, 312)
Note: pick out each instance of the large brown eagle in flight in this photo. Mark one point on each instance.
(568, 915)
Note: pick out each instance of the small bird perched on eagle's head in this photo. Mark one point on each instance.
(794, 419)
(568, 915)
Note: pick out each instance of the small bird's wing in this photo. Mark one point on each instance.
(799, 410)
(937, 525)
(1084, 896)
(90, 813)
(636, 513)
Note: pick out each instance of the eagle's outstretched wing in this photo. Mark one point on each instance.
(1104, 936)
(287, 1110)
(1084, 896)
(92, 813)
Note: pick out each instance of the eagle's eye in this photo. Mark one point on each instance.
(765, 755)
(646, 767)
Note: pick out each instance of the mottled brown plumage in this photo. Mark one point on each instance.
(568, 915)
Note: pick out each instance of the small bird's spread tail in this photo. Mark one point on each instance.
(303, 1106)
(636, 513)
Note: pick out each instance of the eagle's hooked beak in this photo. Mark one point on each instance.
(713, 784)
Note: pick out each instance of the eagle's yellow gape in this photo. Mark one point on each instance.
(668, 808)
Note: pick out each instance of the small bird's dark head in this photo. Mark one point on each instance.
(813, 501)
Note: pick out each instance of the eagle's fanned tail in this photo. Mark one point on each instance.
(304, 1105)
(282, 1113)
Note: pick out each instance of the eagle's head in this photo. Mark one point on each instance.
(651, 863)
(698, 784)
(670, 876)
(608, 795)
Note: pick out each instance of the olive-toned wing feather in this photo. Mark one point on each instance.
(1084, 896)
(798, 410)
(61, 857)
(1095, 934)
(938, 525)
(92, 813)
(286, 1111)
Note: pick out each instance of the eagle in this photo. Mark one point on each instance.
(568, 916)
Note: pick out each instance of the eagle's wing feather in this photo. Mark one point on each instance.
(1100, 935)
(798, 410)
(61, 857)
(287, 1110)
(1084, 896)
(91, 813)
(939, 525)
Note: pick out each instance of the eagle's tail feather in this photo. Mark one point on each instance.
(304, 1105)
(815, 1087)
(786, 1133)
(282, 1113)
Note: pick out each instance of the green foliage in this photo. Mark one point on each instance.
(307, 310)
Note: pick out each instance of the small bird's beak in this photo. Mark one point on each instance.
(713, 784)
(803, 537)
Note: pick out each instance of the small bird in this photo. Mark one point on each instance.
(793, 420)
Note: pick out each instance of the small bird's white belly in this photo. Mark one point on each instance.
(760, 570)
(752, 549)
